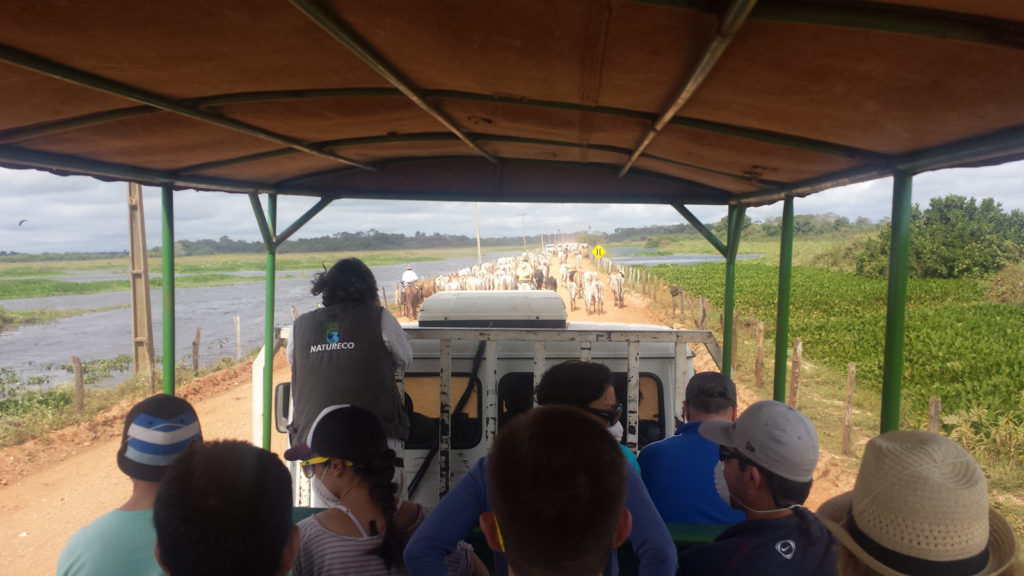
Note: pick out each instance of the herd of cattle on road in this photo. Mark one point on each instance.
(533, 270)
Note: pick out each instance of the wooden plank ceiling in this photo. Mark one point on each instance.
(685, 101)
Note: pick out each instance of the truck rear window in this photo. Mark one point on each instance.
(515, 395)
(423, 405)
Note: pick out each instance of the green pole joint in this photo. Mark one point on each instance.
(896, 306)
(782, 311)
(167, 259)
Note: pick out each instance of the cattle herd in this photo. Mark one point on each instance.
(533, 270)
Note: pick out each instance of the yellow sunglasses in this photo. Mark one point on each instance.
(307, 465)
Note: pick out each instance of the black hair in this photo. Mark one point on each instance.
(710, 405)
(224, 508)
(355, 434)
(557, 506)
(574, 383)
(349, 280)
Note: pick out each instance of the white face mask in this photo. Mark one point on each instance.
(616, 431)
(325, 495)
(721, 486)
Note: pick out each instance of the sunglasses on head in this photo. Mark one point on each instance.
(608, 416)
(308, 466)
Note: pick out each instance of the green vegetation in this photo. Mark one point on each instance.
(32, 408)
(11, 318)
(957, 347)
(39, 287)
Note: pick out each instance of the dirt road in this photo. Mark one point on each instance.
(52, 486)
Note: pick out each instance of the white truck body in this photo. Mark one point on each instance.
(453, 424)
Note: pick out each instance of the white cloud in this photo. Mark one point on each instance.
(83, 214)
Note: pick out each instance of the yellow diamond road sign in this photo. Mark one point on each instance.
(598, 252)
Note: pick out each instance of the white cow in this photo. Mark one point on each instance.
(617, 284)
(593, 296)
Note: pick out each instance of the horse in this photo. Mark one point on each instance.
(412, 296)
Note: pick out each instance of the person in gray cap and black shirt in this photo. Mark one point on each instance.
(767, 459)
(679, 471)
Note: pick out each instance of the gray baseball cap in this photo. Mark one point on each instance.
(773, 435)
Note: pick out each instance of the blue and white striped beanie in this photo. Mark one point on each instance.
(156, 431)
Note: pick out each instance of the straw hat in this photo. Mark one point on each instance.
(920, 506)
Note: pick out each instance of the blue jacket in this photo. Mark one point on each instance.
(458, 513)
(679, 475)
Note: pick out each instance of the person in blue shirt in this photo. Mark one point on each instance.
(679, 472)
(585, 385)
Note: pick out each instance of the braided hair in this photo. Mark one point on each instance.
(355, 434)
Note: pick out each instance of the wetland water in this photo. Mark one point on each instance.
(41, 350)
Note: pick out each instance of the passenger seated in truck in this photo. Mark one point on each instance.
(120, 543)
(226, 508)
(556, 509)
(348, 353)
(458, 513)
(679, 472)
(920, 506)
(365, 527)
(767, 460)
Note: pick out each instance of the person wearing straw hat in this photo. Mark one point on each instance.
(766, 465)
(156, 431)
(920, 506)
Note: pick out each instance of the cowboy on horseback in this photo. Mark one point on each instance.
(410, 277)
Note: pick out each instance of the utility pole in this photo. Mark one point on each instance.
(523, 214)
(476, 216)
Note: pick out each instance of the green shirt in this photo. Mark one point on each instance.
(118, 543)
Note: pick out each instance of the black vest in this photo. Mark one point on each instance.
(340, 358)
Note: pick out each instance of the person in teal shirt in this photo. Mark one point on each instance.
(121, 542)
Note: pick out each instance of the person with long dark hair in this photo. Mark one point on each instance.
(365, 528)
(348, 352)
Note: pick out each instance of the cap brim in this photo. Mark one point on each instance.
(298, 452)
(717, 431)
(835, 512)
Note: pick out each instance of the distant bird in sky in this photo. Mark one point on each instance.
(23, 221)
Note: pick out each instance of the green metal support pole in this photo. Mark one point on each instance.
(896, 306)
(735, 225)
(268, 335)
(167, 284)
(782, 310)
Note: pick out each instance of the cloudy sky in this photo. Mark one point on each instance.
(78, 213)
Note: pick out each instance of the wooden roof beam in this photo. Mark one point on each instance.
(735, 15)
(337, 30)
(82, 78)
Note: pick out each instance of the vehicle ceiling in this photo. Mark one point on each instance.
(530, 100)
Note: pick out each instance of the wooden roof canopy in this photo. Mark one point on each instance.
(665, 101)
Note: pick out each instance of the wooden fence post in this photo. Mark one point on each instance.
(682, 305)
(759, 356)
(76, 365)
(703, 313)
(195, 351)
(851, 379)
(655, 282)
(238, 339)
(934, 414)
(794, 388)
(295, 312)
